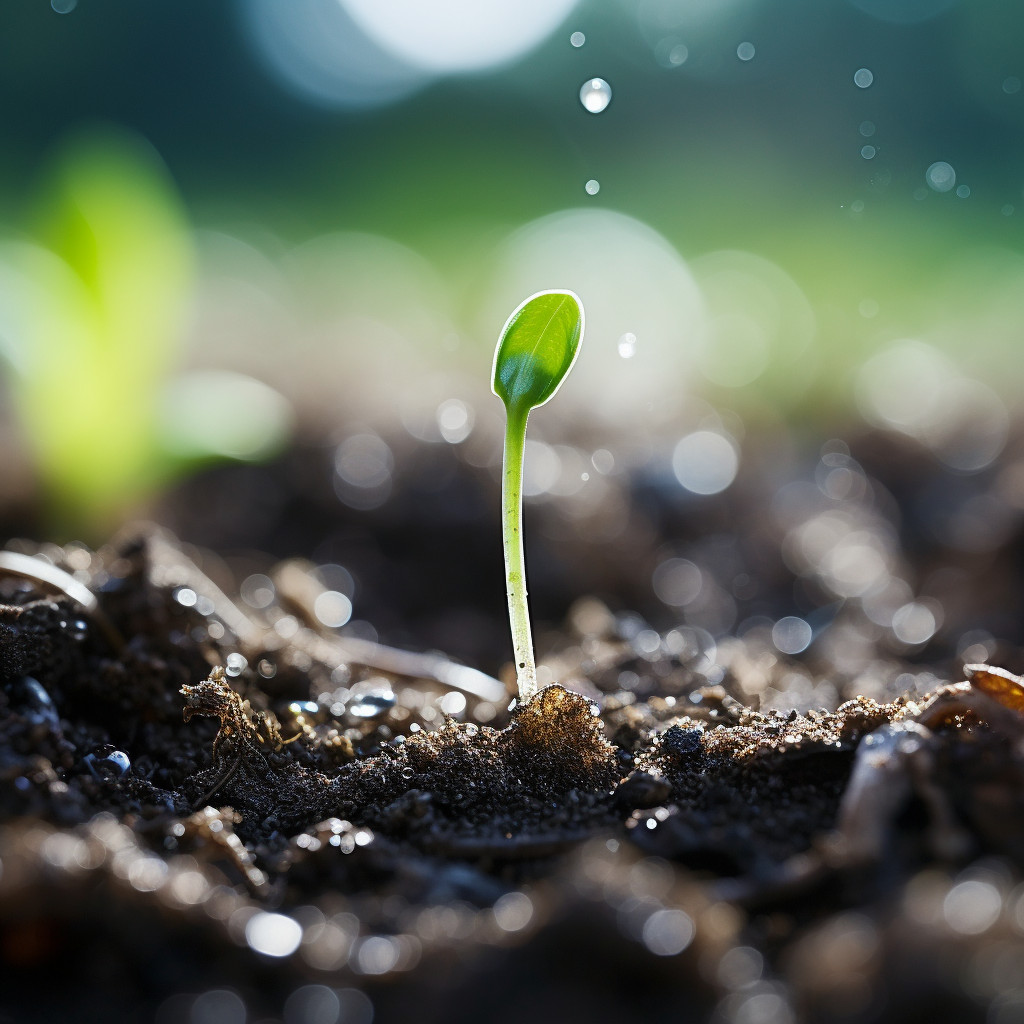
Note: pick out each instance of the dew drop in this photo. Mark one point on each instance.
(745, 51)
(592, 187)
(862, 78)
(963, 191)
(595, 95)
(577, 39)
(868, 152)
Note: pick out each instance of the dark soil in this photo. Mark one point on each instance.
(214, 810)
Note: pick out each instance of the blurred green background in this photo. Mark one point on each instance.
(222, 221)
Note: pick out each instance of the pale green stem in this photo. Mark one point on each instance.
(515, 563)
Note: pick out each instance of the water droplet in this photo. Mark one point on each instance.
(304, 707)
(36, 704)
(667, 932)
(332, 608)
(454, 420)
(577, 39)
(453, 703)
(867, 129)
(408, 773)
(113, 766)
(186, 597)
(862, 78)
(273, 934)
(63, 6)
(592, 187)
(670, 52)
(914, 623)
(472, 730)
(705, 462)
(745, 51)
(79, 629)
(963, 191)
(868, 152)
(940, 176)
(791, 635)
(371, 702)
(1011, 85)
(677, 582)
(627, 345)
(235, 664)
(257, 590)
(595, 95)
(513, 911)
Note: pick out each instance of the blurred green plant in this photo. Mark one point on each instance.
(535, 352)
(94, 309)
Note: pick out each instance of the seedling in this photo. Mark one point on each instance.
(92, 308)
(535, 352)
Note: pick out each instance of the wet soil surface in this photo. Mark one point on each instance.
(214, 806)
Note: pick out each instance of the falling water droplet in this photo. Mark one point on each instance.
(595, 95)
(577, 39)
(627, 345)
(593, 187)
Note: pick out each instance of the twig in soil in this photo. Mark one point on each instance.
(29, 567)
(300, 589)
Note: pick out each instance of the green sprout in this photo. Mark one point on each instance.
(93, 306)
(535, 352)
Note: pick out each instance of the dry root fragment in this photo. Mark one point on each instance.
(999, 684)
(244, 735)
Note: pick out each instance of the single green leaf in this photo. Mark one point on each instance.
(538, 345)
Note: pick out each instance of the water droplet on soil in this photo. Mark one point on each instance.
(371, 703)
